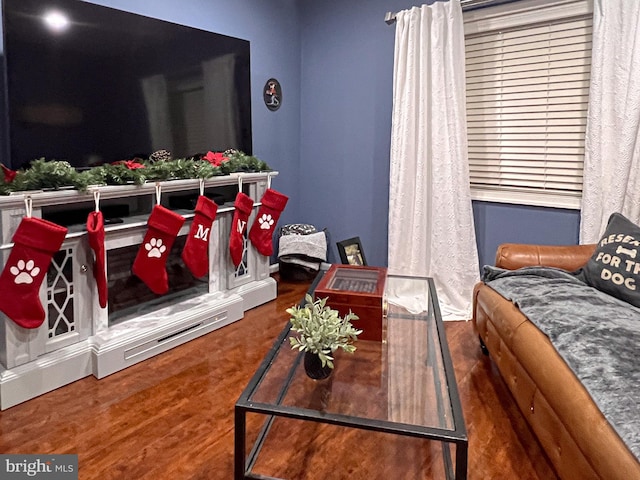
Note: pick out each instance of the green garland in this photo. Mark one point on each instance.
(55, 175)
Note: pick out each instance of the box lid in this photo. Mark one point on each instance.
(353, 284)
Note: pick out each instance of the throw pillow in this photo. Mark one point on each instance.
(614, 267)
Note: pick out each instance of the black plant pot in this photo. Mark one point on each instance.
(313, 367)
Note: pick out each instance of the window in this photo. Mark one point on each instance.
(528, 69)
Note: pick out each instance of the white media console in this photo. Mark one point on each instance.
(78, 338)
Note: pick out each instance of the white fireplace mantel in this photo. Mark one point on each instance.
(78, 338)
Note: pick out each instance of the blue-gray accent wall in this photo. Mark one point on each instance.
(330, 138)
(497, 223)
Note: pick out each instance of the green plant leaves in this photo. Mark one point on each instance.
(321, 330)
(54, 174)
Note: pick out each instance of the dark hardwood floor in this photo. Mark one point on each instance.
(171, 417)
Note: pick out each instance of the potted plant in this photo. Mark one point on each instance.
(320, 332)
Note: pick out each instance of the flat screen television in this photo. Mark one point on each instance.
(91, 84)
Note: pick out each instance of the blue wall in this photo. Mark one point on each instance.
(498, 223)
(330, 139)
(347, 74)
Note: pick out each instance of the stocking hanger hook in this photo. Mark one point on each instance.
(239, 182)
(201, 186)
(158, 193)
(96, 199)
(28, 205)
(269, 180)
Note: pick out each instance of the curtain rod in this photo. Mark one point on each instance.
(467, 5)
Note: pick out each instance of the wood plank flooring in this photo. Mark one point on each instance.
(171, 417)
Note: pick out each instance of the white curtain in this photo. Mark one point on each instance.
(612, 144)
(156, 98)
(431, 230)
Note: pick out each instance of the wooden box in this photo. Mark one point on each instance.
(359, 289)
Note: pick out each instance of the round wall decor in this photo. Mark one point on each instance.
(272, 94)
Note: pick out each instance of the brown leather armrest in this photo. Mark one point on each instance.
(512, 256)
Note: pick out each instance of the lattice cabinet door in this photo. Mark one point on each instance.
(245, 272)
(68, 297)
(253, 265)
(65, 297)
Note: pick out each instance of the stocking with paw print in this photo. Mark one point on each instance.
(150, 263)
(261, 233)
(34, 244)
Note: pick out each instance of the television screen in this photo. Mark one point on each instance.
(90, 84)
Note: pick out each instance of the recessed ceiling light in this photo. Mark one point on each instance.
(56, 21)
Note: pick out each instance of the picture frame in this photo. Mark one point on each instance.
(351, 252)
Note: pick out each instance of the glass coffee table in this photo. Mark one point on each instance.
(389, 410)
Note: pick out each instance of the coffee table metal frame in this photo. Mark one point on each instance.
(243, 464)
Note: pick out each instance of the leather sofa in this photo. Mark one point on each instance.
(577, 438)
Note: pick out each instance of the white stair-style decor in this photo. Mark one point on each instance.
(78, 338)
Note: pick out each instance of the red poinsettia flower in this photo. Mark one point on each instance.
(130, 164)
(215, 159)
(9, 174)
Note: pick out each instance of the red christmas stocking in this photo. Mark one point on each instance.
(35, 243)
(95, 232)
(149, 265)
(261, 233)
(243, 205)
(196, 249)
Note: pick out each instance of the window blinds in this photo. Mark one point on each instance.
(474, 4)
(527, 98)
